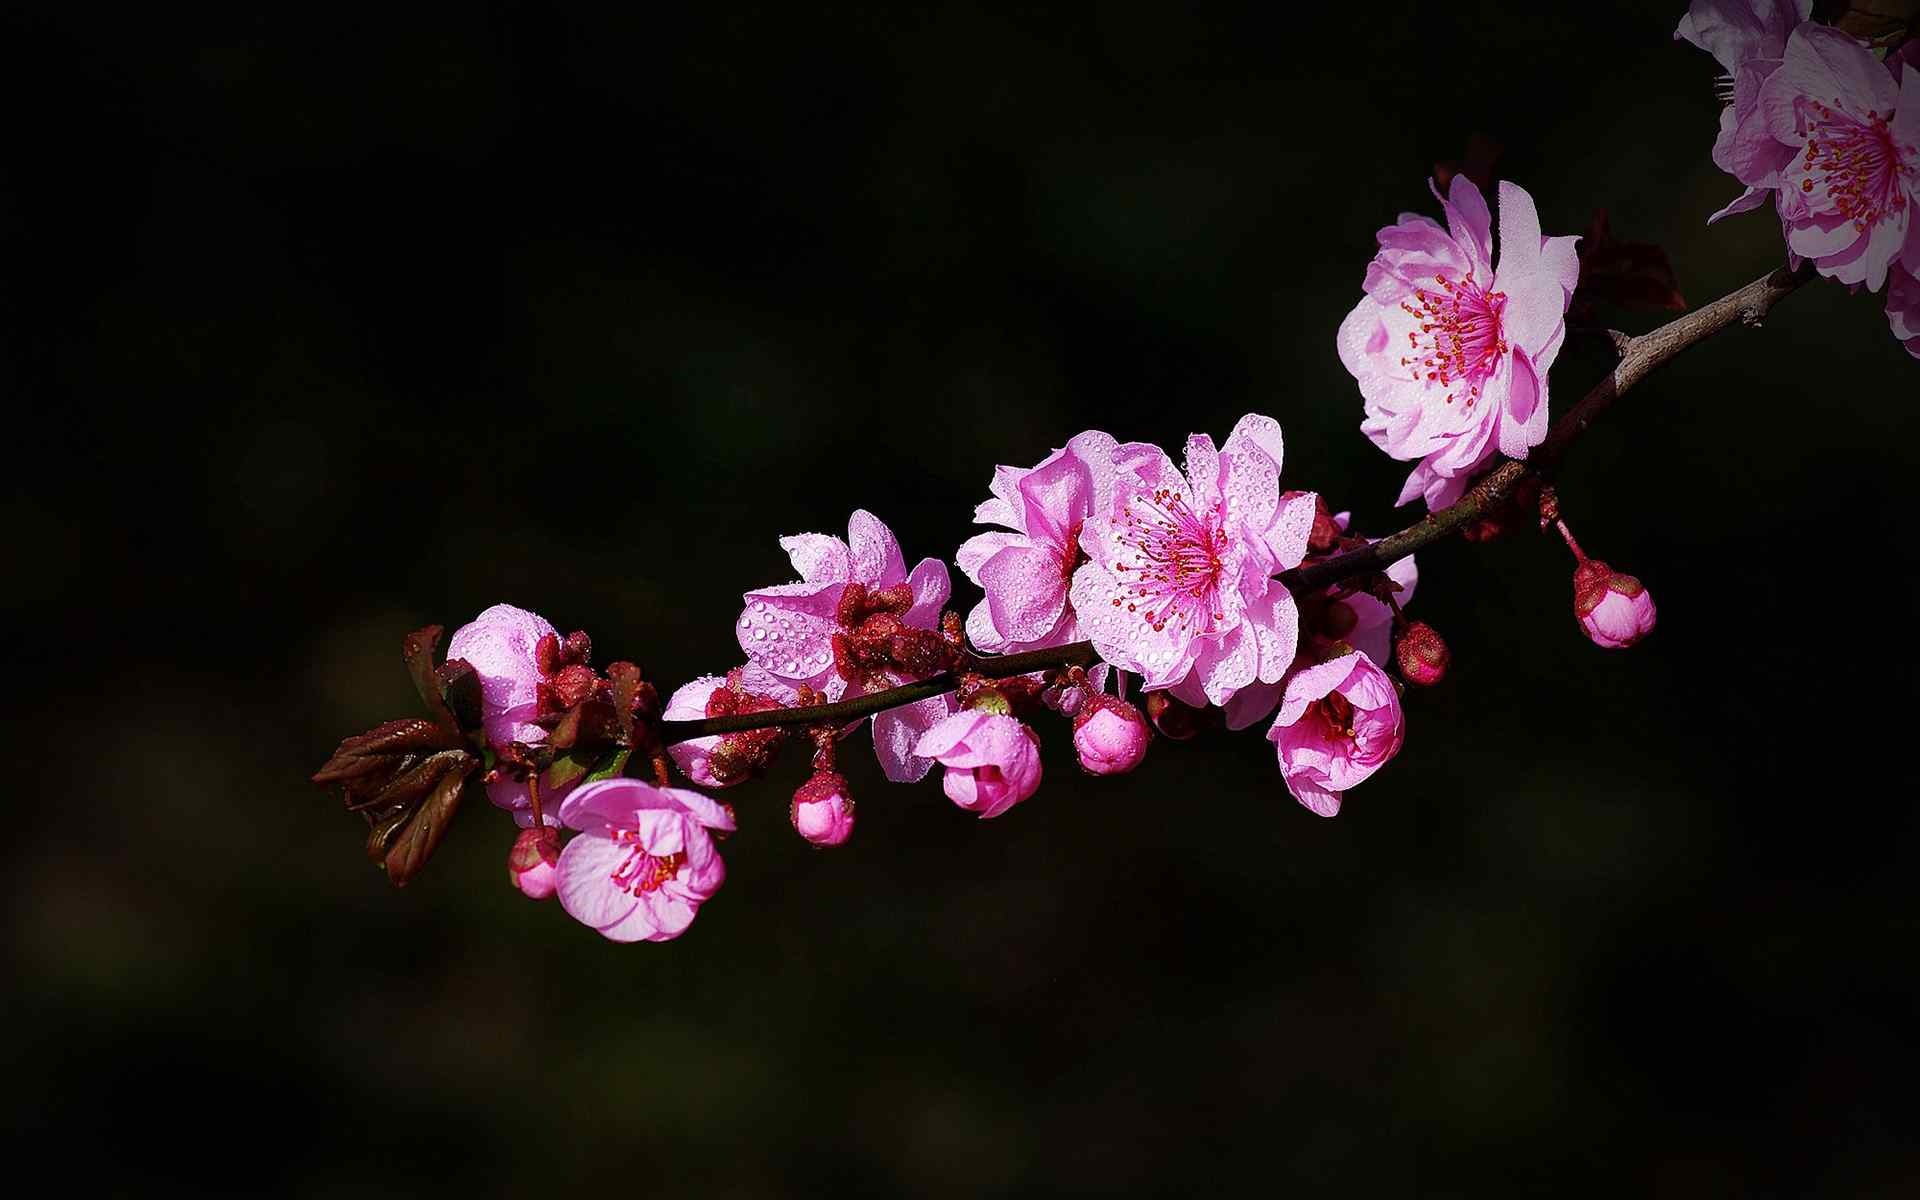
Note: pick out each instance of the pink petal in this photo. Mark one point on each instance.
(787, 630)
(1025, 591)
(1469, 222)
(944, 735)
(898, 732)
(1318, 800)
(976, 550)
(1056, 495)
(1523, 424)
(931, 587)
(585, 874)
(876, 555)
(818, 558)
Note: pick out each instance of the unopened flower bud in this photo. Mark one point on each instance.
(573, 685)
(1421, 655)
(531, 862)
(1174, 719)
(1615, 610)
(822, 810)
(1109, 735)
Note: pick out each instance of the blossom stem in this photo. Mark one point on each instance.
(1638, 356)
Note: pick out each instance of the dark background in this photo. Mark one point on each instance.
(320, 325)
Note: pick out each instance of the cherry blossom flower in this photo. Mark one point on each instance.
(992, 760)
(690, 702)
(1363, 623)
(1451, 354)
(1027, 574)
(1903, 310)
(643, 862)
(1747, 38)
(787, 630)
(499, 645)
(1848, 190)
(1179, 581)
(1340, 722)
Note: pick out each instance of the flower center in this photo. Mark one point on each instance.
(1177, 575)
(1071, 555)
(1337, 712)
(1859, 165)
(1459, 339)
(640, 871)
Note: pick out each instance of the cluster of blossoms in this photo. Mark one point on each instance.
(1223, 597)
(1813, 119)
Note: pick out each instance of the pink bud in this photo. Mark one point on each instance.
(1109, 735)
(530, 864)
(1615, 610)
(822, 811)
(1421, 655)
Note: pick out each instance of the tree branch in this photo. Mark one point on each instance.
(1638, 357)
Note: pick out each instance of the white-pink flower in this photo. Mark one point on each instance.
(787, 630)
(1452, 354)
(1339, 723)
(1747, 38)
(499, 645)
(1848, 191)
(1027, 573)
(643, 862)
(1903, 310)
(992, 760)
(1179, 580)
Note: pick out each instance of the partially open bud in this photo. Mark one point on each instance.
(822, 810)
(1109, 735)
(1173, 718)
(1421, 655)
(1615, 610)
(530, 864)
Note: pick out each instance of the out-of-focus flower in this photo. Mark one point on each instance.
(1903, 308)
(1848, 189)
(643, 862)
(992, 760)
(1339, 722)
(1747, 39)
(1452, 354)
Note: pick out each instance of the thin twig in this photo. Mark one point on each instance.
(1639, 356)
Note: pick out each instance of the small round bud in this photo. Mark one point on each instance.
(822, 810)
(1614, 610)
(1109, 735)
(1421, 655)
(531, 862)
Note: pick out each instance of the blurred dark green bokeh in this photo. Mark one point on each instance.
(319, 326)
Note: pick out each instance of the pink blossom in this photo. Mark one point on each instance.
(533, 863)
(643, 862)
(1339, 722)
(1109, 735)
(499, 645)
(1848, 189)
(689, 703)
(1614, 610)
(1027, 573)
(1366, 625)
(1747, 38)
(1903, 308)
(1179, 581)
(822, 809)
(787, 630)
(992, 760)
(1451, 354)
